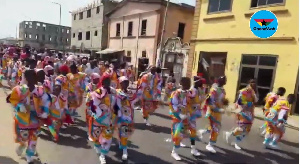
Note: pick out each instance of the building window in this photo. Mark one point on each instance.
(73, 35)
(88, 35)
(25, 35)
(44, 27)
(219, 5)
(80, 15)
(74, 16)
(259, 67)
(62, 30)
(80, 36)
(144, 27)
(89, 13)
(96, 33)
(256, 3)
(118, 29)
(98, 10)
(30, 36)
(50, 38)
(30, 24)
(43, 37)
(129, 32)
(61, 39)
(128, 57)
(37, 36)
(180, 32)
(55, 40)
(57, 29)
(67, 40)
(38, 26)
(144, 54)
(68, 31)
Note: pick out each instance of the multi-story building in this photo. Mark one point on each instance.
(222, 44)
(89, 26)
(9, 41)
(44, 35)
(136, 27)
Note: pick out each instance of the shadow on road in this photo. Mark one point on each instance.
(71, 136)
(153, 128)
(252, 157)
(162, 116)
(288, 143)
(9, 160)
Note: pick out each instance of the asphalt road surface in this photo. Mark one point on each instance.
(147, 144)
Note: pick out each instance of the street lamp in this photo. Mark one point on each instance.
(60, 23)
(59, 11)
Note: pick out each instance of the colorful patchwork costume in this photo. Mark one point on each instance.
(100, 123)
(276, 118)
(26, 123)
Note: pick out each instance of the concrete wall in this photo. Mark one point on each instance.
(92, 24)
(229, 32)
(178, 15)
(97, 22)
(135, 12)
(33, 28)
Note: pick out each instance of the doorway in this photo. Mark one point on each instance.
(212, 65)
(174, 62)
(259, 67)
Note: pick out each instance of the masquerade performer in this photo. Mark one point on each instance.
(179, 112)
(64, 82)
(50, 78)
(246, 100)
(12, 73)
(215, 101)
(76, 85)
(146, 89)
(102, 67)
(100, 123)
(170, 86)
(270, 100)
(125, 100)
(123, 71)
(26, 123)
(43, 100)
(114, 75)
(158, 84)
(276, 118)
(5, 61)
(57, 110)
(91, 87)
(196, 97)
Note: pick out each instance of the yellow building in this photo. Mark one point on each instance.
(222, 43)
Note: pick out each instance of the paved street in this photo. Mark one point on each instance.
(148, 144)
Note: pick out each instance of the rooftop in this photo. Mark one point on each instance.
(94, 4)
(163, 2)
(48, 24)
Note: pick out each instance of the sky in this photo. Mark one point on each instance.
(12, 12)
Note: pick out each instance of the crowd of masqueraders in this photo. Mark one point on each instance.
(48, 89)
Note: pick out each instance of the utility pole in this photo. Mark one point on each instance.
(60, 31)
(159, 63)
